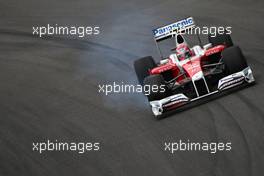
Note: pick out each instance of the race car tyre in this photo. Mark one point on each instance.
(155, 88)
(234, 60)
(221, 39)
(142, 67)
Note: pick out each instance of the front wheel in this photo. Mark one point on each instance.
(234, 60)
(155, 88)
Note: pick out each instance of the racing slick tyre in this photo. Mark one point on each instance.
(234, 60)
(221, 39)
(155, 88)
(142, 67)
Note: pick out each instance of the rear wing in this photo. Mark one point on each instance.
(165, 32)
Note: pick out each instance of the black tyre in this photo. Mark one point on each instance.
(142, 67)
(221, 39)
(155, 88)
(234, 60)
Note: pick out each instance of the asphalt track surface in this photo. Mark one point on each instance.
(49, 90)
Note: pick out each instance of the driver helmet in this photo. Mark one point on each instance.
(183, 51)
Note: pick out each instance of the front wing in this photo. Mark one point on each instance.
(173, 102)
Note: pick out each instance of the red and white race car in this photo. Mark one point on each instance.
(191, 73)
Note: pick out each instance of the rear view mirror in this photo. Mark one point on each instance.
(207, 46)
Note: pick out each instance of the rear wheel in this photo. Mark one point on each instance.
(142, 67)
(155, 88)
(221, 39)
(234, 60)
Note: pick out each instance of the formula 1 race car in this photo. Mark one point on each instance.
(191, 73)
